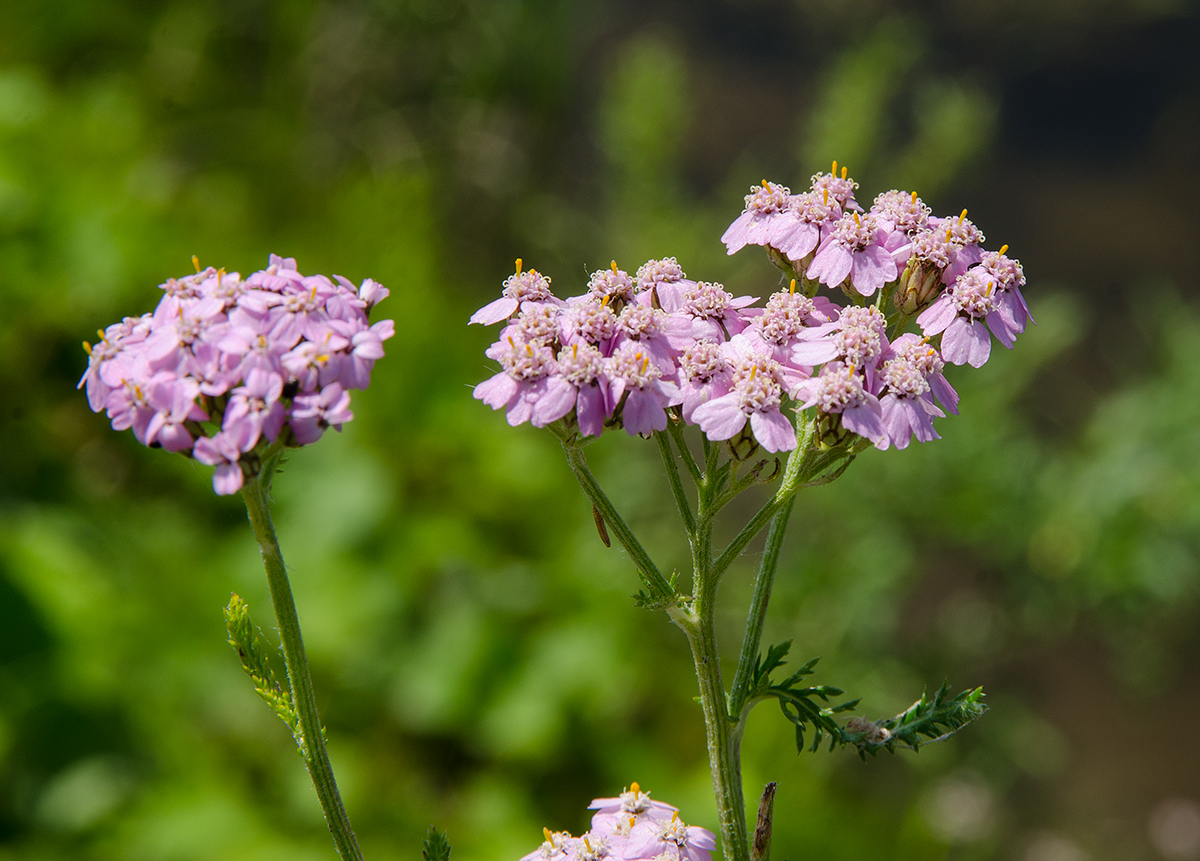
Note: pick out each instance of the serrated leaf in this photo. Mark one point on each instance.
(436, 846)
(252, 648)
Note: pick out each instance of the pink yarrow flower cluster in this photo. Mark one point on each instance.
(633, 350)
(225, 365)
(629, 827)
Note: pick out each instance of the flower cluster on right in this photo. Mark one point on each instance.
(632, 348)
(629, 827)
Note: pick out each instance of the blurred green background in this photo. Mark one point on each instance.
(477, 657)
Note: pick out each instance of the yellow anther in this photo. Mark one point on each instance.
(833, 170)
(196, 262)
(766, 185)
(100, 332)
(518, 265)
(792, 289)
(753, 371)
(645, 364)
(634, 788)
(843, 173)
(511, 342)
(529, 350)
(856, 221)
(1003, 248)
(949, 231)
(87, 348)
(546, 831)
(914, 197)
(825, 196)
(614, 267)
(674, 817)
(961, 216)
(322, 359)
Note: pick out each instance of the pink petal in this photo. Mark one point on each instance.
(773, 431)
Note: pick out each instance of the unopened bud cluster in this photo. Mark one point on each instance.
(633, 347)
(225, 365)
(629, 827)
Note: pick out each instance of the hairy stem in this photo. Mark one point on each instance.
(681, 500)
(657, 584)
(256, 493)
(755, 619)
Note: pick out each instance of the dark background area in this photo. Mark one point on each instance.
(477, 657)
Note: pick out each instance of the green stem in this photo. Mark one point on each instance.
(256, 493)
(724, 756)
(681, 500)
(752, 639)
(676, 431)
(657, 584)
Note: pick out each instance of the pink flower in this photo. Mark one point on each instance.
(853, 249)
(672, 839)
(963, 314)
(756, 393)
(840, 390)
(311, 414)
(633, 375)
(521, 287)
(222, 452)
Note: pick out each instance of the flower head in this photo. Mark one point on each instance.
(225, 365)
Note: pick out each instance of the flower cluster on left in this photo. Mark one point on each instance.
(225, 365)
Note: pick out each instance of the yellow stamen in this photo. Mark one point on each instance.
(604, 301)
(575, 350)
(529, 351)
(961, 216)
(674, 817)
(322, 359)
(843, 173)
(518, 265)
(614, 267)
(1003, 248)
(196, 262)
(792, 289)
(825, 196)
(833, 170)
(546, 831)
(511, 342)
(645, 364)
(949, 230)
(87, 348)
(753, 371)
(100, 332)
(914, 197)
(766, 185)
(634, 788)
(856, 221)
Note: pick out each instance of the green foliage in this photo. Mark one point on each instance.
(798, 704)
(436, 846)
(930, 719)
(253, 649)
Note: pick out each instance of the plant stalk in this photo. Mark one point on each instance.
(256, 493)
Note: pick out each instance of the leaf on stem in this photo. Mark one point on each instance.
(799, 704)
(252, 647)
(925, 721)
(436, 846)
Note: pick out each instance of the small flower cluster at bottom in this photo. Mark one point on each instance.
(630, 827)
